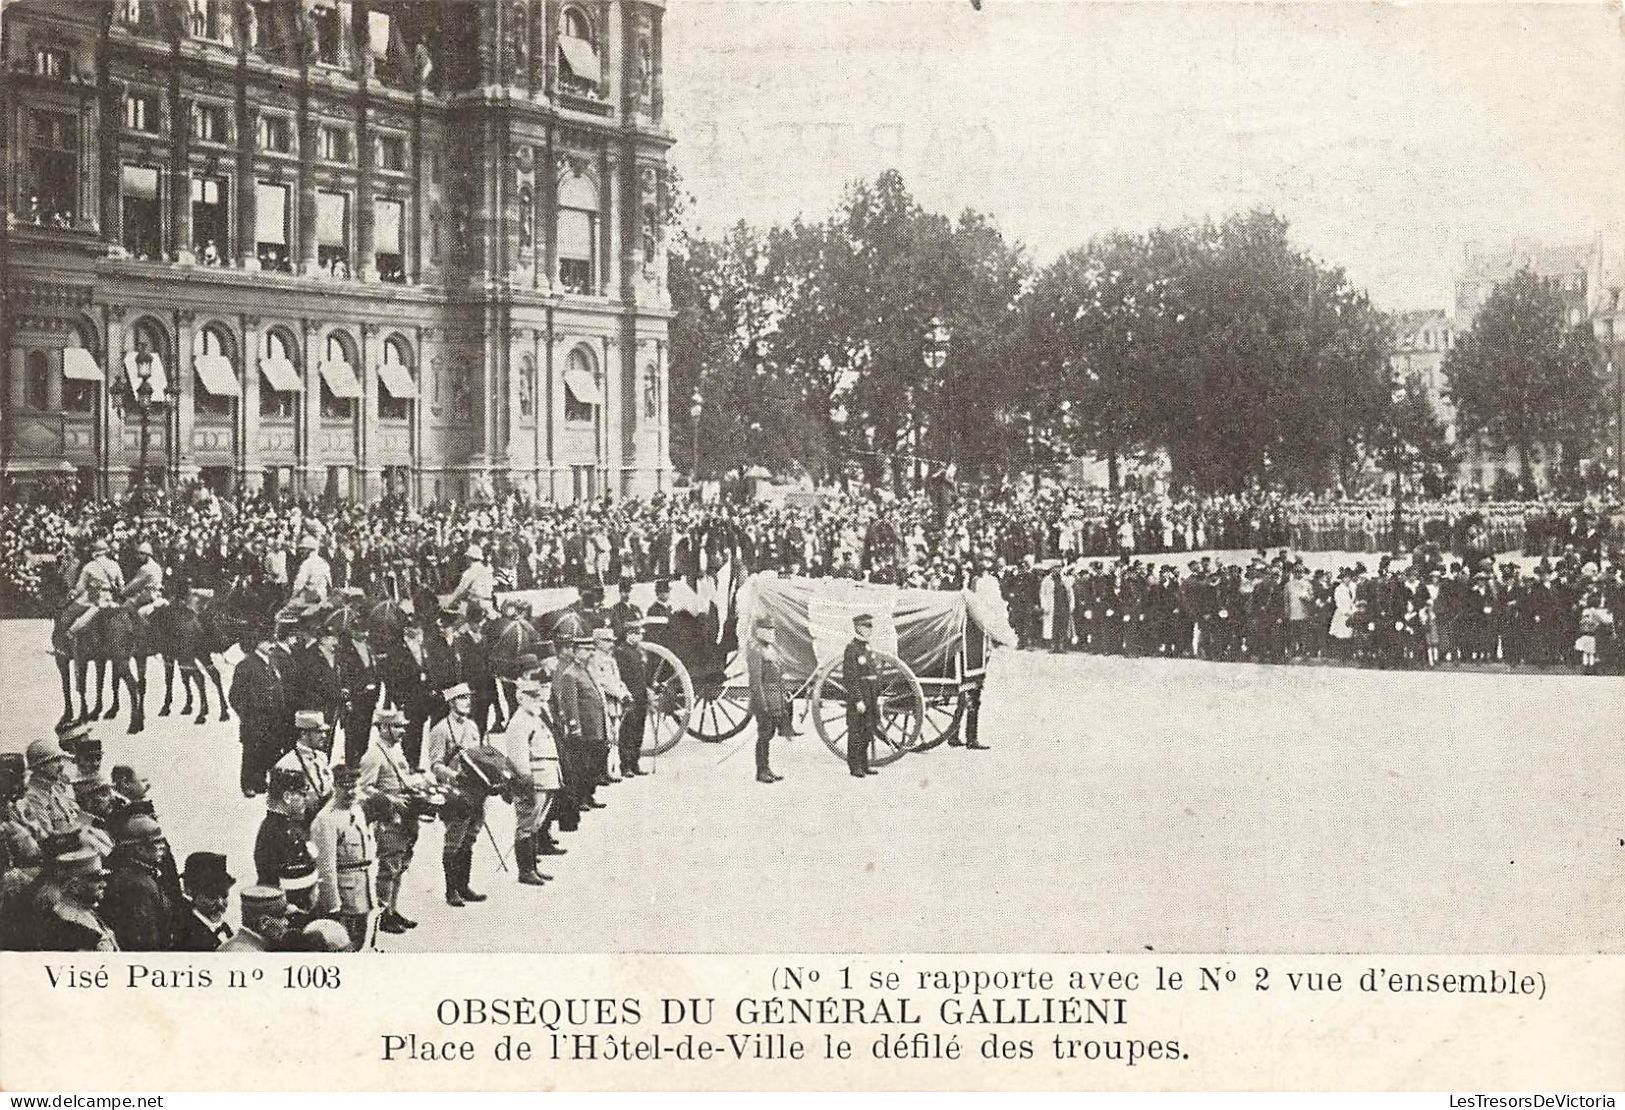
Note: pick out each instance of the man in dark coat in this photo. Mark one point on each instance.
(361, 673)
(578, 721)
(406, 677)
(633, 667)
(136, 906)
(321, 681)
(259, 696)
(284, 832)
(200, 924)
(861, 680)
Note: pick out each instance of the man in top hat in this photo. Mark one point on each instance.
(385, 771)
(320, 679)
(406, 682)
(476, 589)
(625, 610)
(361, 674)
(452, 735)
(146, 585)
(48, 805)
(474, 669)
(535, 752)
(309, 756)
(314, 579)
(346, 860)
(99, 584)
(137, 906)
(259, 694)
(265, 921)
(769, 698)
(633, 668)
(200, 922)
(860, 677)
(60, 912)
(444, 667)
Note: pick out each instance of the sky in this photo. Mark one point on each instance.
(1390, 136)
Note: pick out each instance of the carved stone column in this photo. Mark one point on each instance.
(248, 423)
(367, 466)
(183, 397)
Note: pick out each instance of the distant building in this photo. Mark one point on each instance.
(351, 246)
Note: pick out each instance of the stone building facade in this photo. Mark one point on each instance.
(344, 246)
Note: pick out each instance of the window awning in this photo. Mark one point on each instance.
(582, 386)
(160, 383)
(398, 380)
(341, 379)
(217, 375)
(282, 375)
(80, 365)
(580, 57)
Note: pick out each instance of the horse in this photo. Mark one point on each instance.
(115, 635)
(187, 633)
(507, 641)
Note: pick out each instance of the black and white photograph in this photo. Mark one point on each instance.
(732, 476)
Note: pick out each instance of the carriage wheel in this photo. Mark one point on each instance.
(902, 702)
(722, 705)
(671, 700)
(943, 709)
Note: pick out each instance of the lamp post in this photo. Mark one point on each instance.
(143, 404)
(935, 356)
(696, 408)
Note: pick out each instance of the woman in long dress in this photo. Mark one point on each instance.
(1344, 605)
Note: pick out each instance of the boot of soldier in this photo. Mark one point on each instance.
(395, 908)
(386, 920)
(546, 845)
(465, 866)
(452, 863)
(524, 854)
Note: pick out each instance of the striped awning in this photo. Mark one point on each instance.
(580, 57)
(398, 380)
(582, 386)
(341, 379)
(282, 374)
(217, 375)
(80, 365)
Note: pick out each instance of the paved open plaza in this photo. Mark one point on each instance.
(1125, 805)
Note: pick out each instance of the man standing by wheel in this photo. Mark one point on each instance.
(861, 680)
(634, 672)
(769, 699)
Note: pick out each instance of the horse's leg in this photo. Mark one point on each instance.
(137, 714)
(219, 690)
(202, 693)
(112, 669)
(169, 685)
(80, 668)
(101, 676)
(188, 674)
(64, 669)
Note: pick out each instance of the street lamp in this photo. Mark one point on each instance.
(935, 355)
(696, 408)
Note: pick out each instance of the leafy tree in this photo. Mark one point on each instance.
(1523, 377)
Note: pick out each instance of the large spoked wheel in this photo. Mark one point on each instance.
(902, 709)
(943, 709)
(722, 703)
(671, 700)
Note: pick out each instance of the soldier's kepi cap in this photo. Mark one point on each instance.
(460, 690)
(77, 864)
(298, 873)
(306, 719)
(263, 901)
(388, 716)
(603, 635)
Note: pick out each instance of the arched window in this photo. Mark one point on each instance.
(339, 386)
(577, 25)
(579, 68)
(581, 397)
(149, 348)
(79, 394)
(396, 388)
(214, 375)
(279, 373)
(37, 381)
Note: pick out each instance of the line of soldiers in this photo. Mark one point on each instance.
(1424, 611)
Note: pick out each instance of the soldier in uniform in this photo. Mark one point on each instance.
(260, 697)
(201, 924)
(98, 586)
(48, 805)
(346, 860)
(136, 905)
(385, 772)
(476, 589)
(861, 680)
(578, 715)
(309, 756)
(146, 586)
(284, 832)
(769, 699)
(314, 579)
(534, 750)
(60, 911)
(265, 921)
(463, 816)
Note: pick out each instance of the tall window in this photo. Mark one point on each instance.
(392, 153)
(334, 406)
(209, 219)
(333, 232)
(391, 407)
(208, 342)
(271, 227)
(143, 215)
(389, 240)
(79, 395)
(37, 381)
(141, 112)
(578, 56)
(333, 144)
(580, 388)
(51, 62)
(53, 158)
(329, 35)
(527, 387)
(209, 123)
(275, 347)
(275, 134)
(578, 250)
